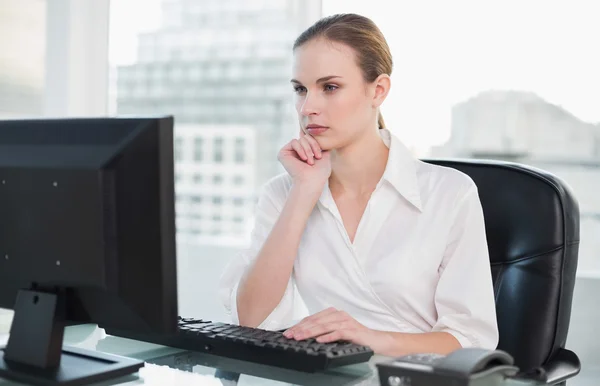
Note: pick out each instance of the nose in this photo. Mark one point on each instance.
(309, 106)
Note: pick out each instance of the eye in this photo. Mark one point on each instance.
(299, 89)
(330, 87)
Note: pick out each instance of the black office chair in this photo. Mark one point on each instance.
(532, 225)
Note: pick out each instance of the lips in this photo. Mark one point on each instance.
(316, 130)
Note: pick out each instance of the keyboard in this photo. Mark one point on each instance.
(256, 345)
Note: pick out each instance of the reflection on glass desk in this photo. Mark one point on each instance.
(170, 366)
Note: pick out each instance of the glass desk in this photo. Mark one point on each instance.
(169, 366)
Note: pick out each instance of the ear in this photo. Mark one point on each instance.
(382, 88)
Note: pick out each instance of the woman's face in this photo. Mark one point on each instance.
(334, 103)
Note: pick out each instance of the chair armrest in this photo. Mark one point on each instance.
(563, 365)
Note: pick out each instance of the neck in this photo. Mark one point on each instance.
(358, 167)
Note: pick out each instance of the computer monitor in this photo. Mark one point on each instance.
(87, 235)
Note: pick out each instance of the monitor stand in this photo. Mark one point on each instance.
(34, 353)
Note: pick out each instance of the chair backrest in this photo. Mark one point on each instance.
(532, 226)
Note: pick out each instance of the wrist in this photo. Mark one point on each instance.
(303, 198)
(387, 343)
(309, 187)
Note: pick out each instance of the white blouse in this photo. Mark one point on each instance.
(419, 261)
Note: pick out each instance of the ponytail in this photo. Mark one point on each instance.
(380, 121)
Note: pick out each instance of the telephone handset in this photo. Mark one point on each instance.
(458, 368)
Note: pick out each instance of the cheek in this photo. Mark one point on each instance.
(298, 103)
(348, 105)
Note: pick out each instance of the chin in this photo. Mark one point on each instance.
(326, 143)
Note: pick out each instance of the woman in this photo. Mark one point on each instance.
(385, 250)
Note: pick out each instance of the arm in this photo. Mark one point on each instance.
(464, 297)
(257, 297)
(331, 325)
(398, 343)
(258, 286)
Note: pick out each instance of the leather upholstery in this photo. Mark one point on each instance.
(532, 226)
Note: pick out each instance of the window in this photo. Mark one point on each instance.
(198, 178)
(238, 180)
(217, 200)
(240, 150)
(178, 149)
(198, 149)
(217, 179)
(22, 58)
(218, 150)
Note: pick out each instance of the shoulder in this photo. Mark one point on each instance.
(436, 180)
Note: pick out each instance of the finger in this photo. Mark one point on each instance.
(317, 316)
(333, 336)
(289, 333)
(309, 319)
(336, 319)
(308, 149)
(314, 146)
(331, 316)
(299, 149)
(320, 329)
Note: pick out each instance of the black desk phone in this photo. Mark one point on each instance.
(463, 367)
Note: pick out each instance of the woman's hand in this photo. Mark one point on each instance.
(305, 162)
(331, 325)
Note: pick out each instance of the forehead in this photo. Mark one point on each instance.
(320, 57)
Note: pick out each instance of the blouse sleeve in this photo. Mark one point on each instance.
(464, 297)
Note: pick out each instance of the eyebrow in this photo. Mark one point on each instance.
(320, 80)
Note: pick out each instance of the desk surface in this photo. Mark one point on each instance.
(169, 366)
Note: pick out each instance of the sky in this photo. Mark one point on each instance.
(448, 51)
